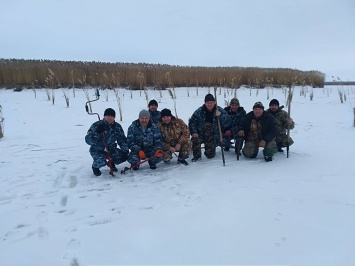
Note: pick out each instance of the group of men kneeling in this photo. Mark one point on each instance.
(158, 135)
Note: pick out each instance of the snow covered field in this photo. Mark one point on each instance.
(297, 211)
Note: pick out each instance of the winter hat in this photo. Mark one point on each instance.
(234, 101)
(110, 112)
(258, 105)
(165, 112)
(209, 97)
(274, 101)
(153, 102)
(144, 113)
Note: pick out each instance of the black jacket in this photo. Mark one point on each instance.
(268, 129)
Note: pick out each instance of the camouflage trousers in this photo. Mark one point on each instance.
(251, 149)
(133, 157)
(183, 153)
(100, 157)
(282, 141)
(208, 140)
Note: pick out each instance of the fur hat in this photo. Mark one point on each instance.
(258, 105)
(144, 113)
(165, 112)
(274, 101)
(234, 101)
(110, 112)
(153, 102)
(209, 97)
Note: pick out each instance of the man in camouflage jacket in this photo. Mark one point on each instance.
(282, 122)
(111, 131)
(258, 129)
(144, 140)
(204, 127)
(176, 137)
(236, 114)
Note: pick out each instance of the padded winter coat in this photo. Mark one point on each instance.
(176, 132)
(151, 139)
(281, 124)
(236, 119)
(198, 120)
(113, 133)
(154, 116)
(268, 129)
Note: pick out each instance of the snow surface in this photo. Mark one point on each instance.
(295, 211)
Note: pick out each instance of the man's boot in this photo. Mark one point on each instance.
(279, 147)
(152, 165)
(96, 171)
(268, 158)
(182, 161)
(196, 158)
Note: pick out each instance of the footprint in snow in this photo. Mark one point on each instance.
(64, 201)
(73, 181)
(72, 246)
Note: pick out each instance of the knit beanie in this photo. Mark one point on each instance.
(110, 112)
(234, 101)
(274, 101)
(209, 97)
(165, 112)
(144, 113)
(153, 102)
(258, 105)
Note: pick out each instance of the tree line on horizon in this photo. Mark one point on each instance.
(20, 73)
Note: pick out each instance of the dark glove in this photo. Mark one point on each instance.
(124, 156)
(100, 128)
(159, 153)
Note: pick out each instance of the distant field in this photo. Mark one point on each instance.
(339, 83)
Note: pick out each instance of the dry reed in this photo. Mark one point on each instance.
(19, 73)
(173, 96)
(1, 123)
(118, 100)
(66, 97)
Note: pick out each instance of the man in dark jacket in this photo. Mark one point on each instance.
(236, 114)
(204, 128)
(258, 129)
(106, 133)
(153, 111)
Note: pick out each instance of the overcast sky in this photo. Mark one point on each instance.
(300, 34)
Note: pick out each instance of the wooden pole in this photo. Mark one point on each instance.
(289, 99)
(219, 127)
